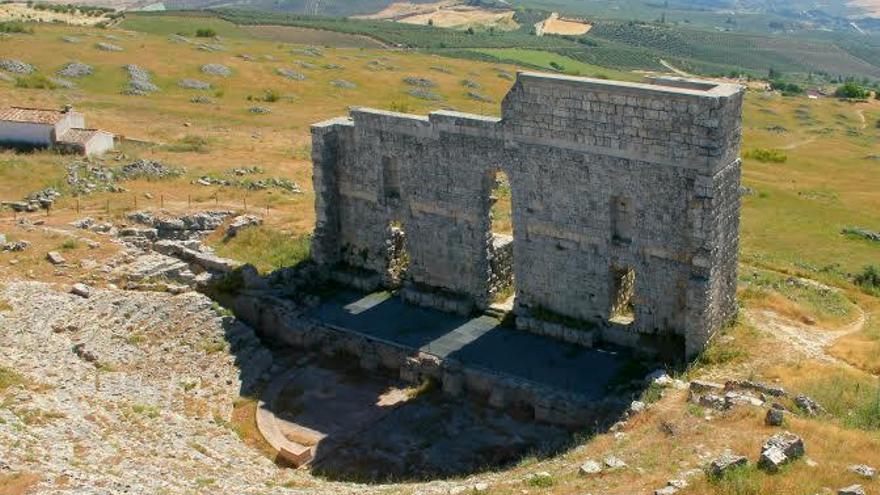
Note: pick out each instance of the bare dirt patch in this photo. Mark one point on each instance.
(562, 26)
(451, 14)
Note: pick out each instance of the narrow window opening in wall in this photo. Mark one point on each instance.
(500, 249)
(390, 178)
(623, 284)
(621, 219)
(396, 255)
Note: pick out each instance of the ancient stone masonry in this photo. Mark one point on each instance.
(624, 196)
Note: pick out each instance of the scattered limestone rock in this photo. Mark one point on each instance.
(423, 94)
(775, 417)
(108, 47)
(81, 290)
(852, 490)
(240, 223)
(85, 353)
(590, 467)
(149, 169)
(75, 69)
(16, 66)
(613, 462)
(193, 84)
(420, 82)
(863, 470)
(55, 258)
(342, 84)
(259, 110)
(216, 70)
(780, 449)
(700, 387)
(291, 74)
(14, 247)
(139, 81)
(637, 407)
(478, 97)
(726, 462)
(808, 405)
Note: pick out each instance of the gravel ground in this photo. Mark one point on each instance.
(131, 392)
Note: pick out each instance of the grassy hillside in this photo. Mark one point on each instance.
(810, 170)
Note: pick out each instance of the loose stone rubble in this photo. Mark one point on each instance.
(16, 66)
(291, 74)
(193, 84)
(242, 222)
(216, 70)
(108, 47)
(863, 470)
(780, 449)
(726, 462)
(75, 69)
(852, 490)
(139, 83)
(808, 405)
(36, 201)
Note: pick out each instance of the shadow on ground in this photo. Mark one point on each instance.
(372, 427)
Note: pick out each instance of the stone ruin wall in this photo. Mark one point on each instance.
(605, 177)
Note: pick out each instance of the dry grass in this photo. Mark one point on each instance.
(21, 12)
(244, 423)
(18, 483)
(566, 27)
(862, 349)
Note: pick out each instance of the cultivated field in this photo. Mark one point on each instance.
(453, 14)
(811, 169)
(565, 27)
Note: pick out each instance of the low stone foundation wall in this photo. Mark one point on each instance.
(585, 338)
(281, 321)
(449, 303)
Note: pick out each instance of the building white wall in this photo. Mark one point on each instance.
(26, 133)
(101, 142)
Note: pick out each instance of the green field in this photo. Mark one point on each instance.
(546, 60)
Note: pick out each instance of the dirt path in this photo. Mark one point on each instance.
(812, 341)
(798, 144)
(674, 69)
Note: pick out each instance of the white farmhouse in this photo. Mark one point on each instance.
(43, 128)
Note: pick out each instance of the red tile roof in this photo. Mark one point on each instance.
(31, 115)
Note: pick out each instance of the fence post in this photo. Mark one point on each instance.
(189, 201)
(161, 201)
(48, 207)
(245, 204)
(77, 206)
(108, 206)
(135, 201)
